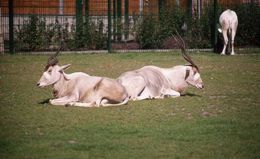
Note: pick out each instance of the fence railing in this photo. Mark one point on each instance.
(46, 25)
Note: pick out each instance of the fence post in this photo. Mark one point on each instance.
(86, 11)
(11, 26)
(79, 23)
(215, 33)
(199, 6)
(109, 20)
(161, 7)
(188, 19)
(126, 19)
(114, 20)
(119, 14)
(2, 47)
(189, 8)
(61, 7)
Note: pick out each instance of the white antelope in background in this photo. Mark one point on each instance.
(229, 22)
(81, 89)
(151, 82)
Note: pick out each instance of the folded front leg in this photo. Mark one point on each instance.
(62, 101)
(172, 93)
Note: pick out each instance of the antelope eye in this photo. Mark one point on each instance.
(49, 71)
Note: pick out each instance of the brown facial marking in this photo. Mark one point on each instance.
(187, 74)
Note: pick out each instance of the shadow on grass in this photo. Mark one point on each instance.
(191, 95)
(45, 101)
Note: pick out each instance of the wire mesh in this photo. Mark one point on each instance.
(45, 25)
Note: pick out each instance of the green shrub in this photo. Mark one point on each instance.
(171, 20)
(154, 31)
(200, 29)
(148, 32)
(93, 36)
(36, 35)
(248, 32)
(31, 35)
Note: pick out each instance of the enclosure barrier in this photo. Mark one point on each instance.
(1, 37)
(84, 25)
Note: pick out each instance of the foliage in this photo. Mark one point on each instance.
(30, 36)
(94, 36)
(36, 34)
(149, 30)
(248, 24)
(221, 121)
(147, 34)
(153, 31)
(198, 32)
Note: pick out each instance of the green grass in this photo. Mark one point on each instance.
(221, 121)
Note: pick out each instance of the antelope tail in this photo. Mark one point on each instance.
(220, 30)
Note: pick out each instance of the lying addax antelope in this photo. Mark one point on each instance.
(229, 22)
(151, 82)
(81, 89)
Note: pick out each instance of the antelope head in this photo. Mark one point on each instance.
(52, 71)
(192, 76)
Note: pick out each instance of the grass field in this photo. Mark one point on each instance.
(221, 121)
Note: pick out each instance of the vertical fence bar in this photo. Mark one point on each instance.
(215, 26)
(126, 19)
(189, 8)
(2, 47)
(114, 20)
(79, 23)
(109, 21)
(86, 24)
(161, 7)
(199, 8)
(11, 26)
(141, 8)
(188, 17)
(61, 7)
(86, 11)
(119, 14)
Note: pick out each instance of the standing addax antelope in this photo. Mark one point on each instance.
(81, 89)
(229, 22)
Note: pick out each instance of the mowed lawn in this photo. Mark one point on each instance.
(220, 121)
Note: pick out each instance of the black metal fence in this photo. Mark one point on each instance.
(46, 25)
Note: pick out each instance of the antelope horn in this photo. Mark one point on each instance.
(52, 60)
(182, 44)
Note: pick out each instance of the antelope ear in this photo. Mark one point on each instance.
(66, 76)
(64, 67)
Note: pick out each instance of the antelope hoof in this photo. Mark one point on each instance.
(70, 104)
(51, 101)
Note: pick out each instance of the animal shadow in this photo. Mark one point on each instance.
(45, 101)
(190, 95)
